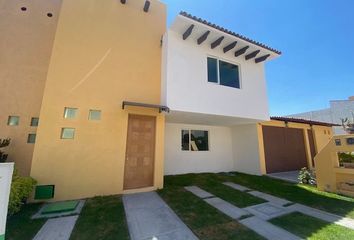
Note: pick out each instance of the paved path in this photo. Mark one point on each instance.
(286, 176)
(149, 217)
(267, 230)
(57, 229)
(256, 223)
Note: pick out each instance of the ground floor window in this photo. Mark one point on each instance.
(195, 140)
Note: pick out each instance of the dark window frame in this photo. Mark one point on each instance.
(189, 140)
(218, 74)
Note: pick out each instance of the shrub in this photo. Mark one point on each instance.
(307, 176)
(21, 188)
(346, 157)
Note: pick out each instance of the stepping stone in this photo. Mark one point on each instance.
(198, 192)
(149, 217)
(57, 229)
(267, 230)
(236, 186)
(226, 208)
(272, 199)
(325, 216)
(268, 211)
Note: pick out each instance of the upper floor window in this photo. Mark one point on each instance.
(223, 73)
(13, 120)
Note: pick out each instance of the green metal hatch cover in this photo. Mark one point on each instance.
(59, 207)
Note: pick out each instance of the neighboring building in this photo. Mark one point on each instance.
(339, 109)
(71, 64)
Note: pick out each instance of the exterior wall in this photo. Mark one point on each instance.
(338, 109)
(104, 52)
(25, 44)
(321, 135)
(219, 158)
(245, 145)
(331, 177)
(186, 86)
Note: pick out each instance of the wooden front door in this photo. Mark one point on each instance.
(284, 149)
(140, 152)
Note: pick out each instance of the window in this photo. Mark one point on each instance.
(70, 113)
(67, 133)
(195, 140)
(13, 120)
(34, 122)
(223, 73)
(95, 115)
(31, 138)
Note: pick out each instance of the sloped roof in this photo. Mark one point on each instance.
(185, 14)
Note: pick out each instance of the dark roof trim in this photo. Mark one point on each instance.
(300, 120)
(146, 105)
(185, 14)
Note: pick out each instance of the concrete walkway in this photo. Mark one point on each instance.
(286, 176)
(57, 229)
(149, 217)
(255, 223)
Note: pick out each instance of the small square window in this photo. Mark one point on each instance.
(13, 121)
(34, 122)
(95, 115)
(67, 133)
(70, 113)
(31, 138)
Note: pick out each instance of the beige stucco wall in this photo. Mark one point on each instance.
(25, 48)
(104, 52)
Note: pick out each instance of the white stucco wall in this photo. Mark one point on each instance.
(6, 170)
(246, 149)
(186, 87)
(219, 158)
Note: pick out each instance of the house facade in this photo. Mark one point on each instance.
(100, 98)
(214, 84)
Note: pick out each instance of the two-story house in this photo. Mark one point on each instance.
(214, 84)
(101, 99)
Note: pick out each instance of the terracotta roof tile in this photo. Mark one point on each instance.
(185, 14)
(300, 120)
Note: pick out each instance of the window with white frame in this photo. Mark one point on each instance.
(195, 140)
(223, 73)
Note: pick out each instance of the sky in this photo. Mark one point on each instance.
(316, 38)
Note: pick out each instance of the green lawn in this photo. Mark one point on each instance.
(306, 195)
(21, 227)
(204, 220)
(312, 228)
(101, 218)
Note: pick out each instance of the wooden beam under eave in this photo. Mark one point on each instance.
(202, 38)
(188, 32)
(241, 51)
(252, 55)
(261, 59)
(230, 46)
(146, 6)
(217, 42)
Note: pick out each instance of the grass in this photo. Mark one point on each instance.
(312, 228)
(210, 183)
(303, 194)
(101, 218)
(21, 227)
(204, 220)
